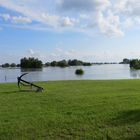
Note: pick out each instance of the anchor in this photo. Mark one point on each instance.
(26, 83)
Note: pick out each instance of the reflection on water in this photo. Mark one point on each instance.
(135, 73)
(95, 72)
(30, 70)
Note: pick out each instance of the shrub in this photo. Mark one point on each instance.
(6, 65)
(13, 65)
(79, 72)
(135, 64)
(62, 63)
(30, 62)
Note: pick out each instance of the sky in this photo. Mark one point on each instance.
(89, 30)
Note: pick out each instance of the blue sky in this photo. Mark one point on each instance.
(91, 30)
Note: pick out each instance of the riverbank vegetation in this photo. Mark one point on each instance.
(65, 63)
(135, 64)
(71, 110)
(125, 61)
(12, 65)
(32, 62)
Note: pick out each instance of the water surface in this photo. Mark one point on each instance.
(95, 72)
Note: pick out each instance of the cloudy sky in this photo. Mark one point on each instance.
(90, 30)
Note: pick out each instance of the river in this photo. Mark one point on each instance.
(95, 72)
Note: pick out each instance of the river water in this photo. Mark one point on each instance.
(95, 72)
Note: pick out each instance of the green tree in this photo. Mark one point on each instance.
(62, 63)
(30, 62)
(75, 62)
(6, 65)
(53, 63)
(135, 64)
(13, 65)
(126, 61)
(47, 64)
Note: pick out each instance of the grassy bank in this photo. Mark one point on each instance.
(71, 110)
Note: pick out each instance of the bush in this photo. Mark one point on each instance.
(62, 63)
(79, 72)
(135, 64)
(13, 65)
(30, 62)
(6, 65)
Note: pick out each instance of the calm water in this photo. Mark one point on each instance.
(96, 72)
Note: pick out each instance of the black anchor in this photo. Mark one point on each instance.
(26, 83)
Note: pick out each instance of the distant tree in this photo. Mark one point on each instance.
(47, 64)
(79, 72)
(53, 63)
(62, 63)
(6, 65)
(75, 62)
(125, 61)
(86, 64)
(18, 65)
(135, 64)
(13, 65)
(30, 62)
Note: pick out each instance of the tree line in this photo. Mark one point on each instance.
(133, 63)
(32, 62)
(12, 65)
(64, 63)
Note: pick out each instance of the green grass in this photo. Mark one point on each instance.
(71, 110)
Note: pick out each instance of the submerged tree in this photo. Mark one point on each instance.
(30, 62)
(6, 65)
(135, 64)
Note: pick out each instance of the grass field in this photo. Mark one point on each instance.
(71, 110)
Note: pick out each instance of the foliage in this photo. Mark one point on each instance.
(13, 65)
(125, 61)
(64, 63)
(47, 64)
(75, 62)
(79, 72)
(135, 64)
(76, 110)
(6, 65)
(30, 63)
(18, 65)
(53, 63)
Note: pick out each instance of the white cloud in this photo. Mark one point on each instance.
(6, 17)
(84, 16)
(15, 19)
(20, 19)
(61, 53)
(128, 22)
(129, 11)
(51, 20)
(96, 56)
(127, 7)
(110, 17)
(66, 21)
(109, 25)
(31, 52)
